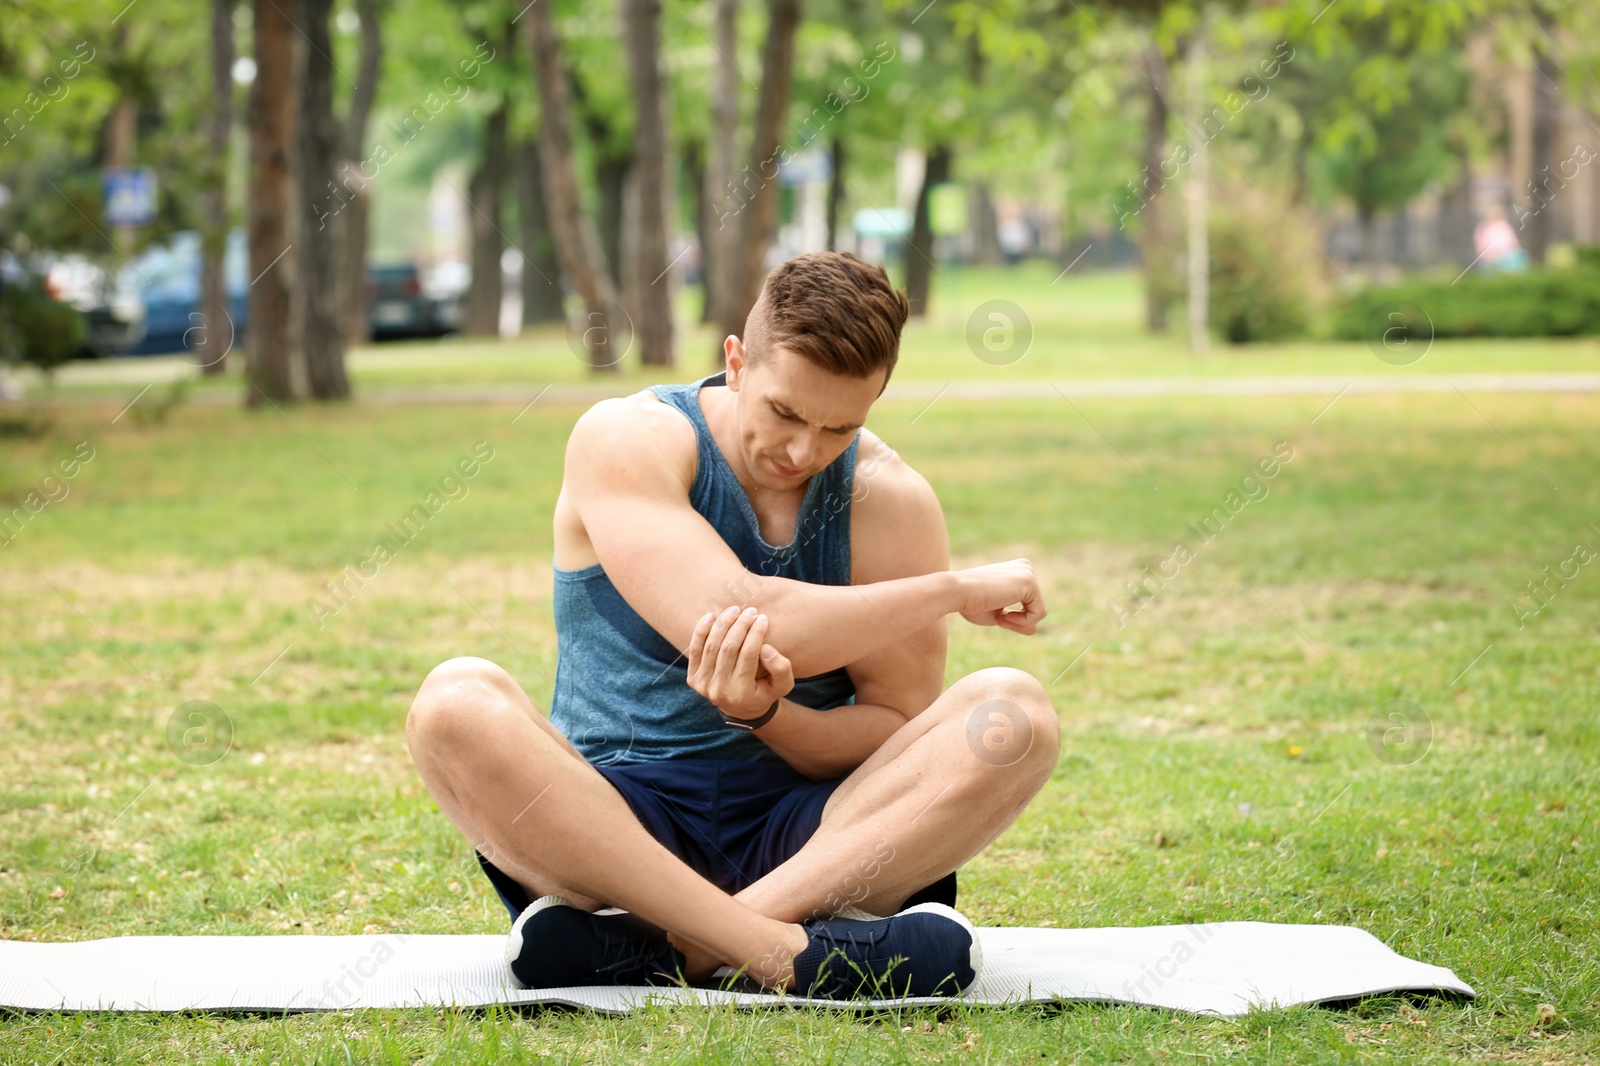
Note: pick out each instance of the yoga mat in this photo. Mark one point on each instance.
(1224, 968)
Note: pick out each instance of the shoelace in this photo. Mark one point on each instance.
(642, 961)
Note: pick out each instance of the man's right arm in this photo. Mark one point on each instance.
(629, 466)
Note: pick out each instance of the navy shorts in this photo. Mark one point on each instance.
(732, 822)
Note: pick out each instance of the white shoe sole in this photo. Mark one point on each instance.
(975, 953)
(514, 941)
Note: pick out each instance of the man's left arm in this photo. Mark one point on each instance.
(898, 530)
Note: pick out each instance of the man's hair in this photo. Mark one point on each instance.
(833, 309)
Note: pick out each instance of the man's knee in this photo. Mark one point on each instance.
(1008, 718)
(455, 694)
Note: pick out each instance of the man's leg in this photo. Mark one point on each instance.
(937, 793)
(525, 797)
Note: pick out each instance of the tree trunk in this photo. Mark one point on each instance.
(748, 264)
(985, 227)
(122, 133)
(216, 319)
(274, 369)
(919, 254)
(1198, 201)
(1155, 244)
(541, 275)
(653, 316)
(319, 150)
(1546, 113)
(350, 228)
(611, 182)
(694, 166)
(720, 252)
(1371, 239)
(577, 244)
(483, 215)
(835, 192)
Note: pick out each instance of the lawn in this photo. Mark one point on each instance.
(1082, 325)
(1229, 752)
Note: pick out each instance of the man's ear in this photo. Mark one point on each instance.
(734, 355)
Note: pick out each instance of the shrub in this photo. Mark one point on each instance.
(1260, 287)
(1535, 303)
(36, 329)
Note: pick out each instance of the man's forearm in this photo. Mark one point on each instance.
(828, 744)
(824, 627)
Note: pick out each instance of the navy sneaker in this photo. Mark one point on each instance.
(926, 950)
(553, 944)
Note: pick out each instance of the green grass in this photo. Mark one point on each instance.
(1217, 763)
(1085, 326)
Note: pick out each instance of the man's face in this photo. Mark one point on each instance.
(793, 417)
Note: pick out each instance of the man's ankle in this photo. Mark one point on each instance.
(698, 962)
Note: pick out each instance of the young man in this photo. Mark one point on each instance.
(751, 729)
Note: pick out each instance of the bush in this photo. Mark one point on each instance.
(1260, 289)
(1536, 303)
(36, 329)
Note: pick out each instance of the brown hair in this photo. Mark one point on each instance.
(833, 309)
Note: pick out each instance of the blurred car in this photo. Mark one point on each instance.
(166, 278)
(112, 310)
(447, 283)
(398, 306)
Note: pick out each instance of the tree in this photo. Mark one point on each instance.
(541, 274)
(350, 225)
(577, 244)
(217, 325)
(759, 214)
(319, 142)
(484, 196)
(275, 369)
(653, 316)
(719, 248)
(920, 252)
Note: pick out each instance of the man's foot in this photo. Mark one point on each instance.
(926, 950)
(553, 944)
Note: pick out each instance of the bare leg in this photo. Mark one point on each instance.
(524, 796)
(937, 793)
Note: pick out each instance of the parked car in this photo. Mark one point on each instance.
(398, 306)
(167, 280)
(170, 280)
(112, 311)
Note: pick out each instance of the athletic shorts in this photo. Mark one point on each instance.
(731, 822)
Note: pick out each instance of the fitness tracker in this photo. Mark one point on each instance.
(751, 723)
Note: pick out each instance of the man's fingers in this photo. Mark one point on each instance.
(750, 651)
(780, 672)
(712, 644)
(732, 643)
(697, 640)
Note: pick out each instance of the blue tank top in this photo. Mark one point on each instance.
(621, 691)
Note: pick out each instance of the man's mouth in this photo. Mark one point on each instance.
(784, 470)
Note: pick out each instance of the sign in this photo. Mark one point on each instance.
(130, 196)
(812, 164)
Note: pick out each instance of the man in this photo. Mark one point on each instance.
(801, 756)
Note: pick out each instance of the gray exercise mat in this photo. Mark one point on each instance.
(1223, 968)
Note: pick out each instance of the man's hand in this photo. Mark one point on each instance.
(987, 593)
(730, 665)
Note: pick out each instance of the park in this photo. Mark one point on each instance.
(1311, 491)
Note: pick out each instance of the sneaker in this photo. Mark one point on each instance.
(553, 944)
(926, 950)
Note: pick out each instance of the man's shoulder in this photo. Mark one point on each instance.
(623, 434)
(897, 524)
(884, 477)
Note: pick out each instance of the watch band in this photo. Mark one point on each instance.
(751, 724)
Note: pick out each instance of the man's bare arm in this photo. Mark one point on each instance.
(630, 487)
(899, 532)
